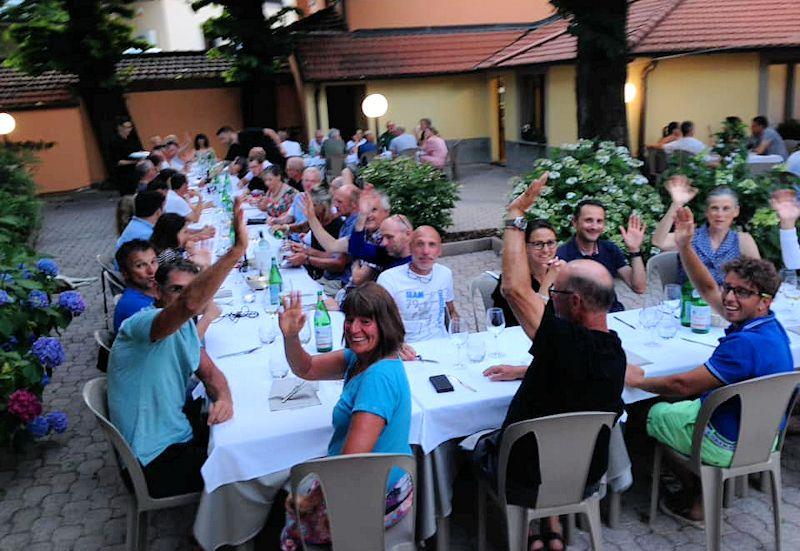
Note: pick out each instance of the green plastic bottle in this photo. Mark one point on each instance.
(323, 331)
(686, 304)
(275, 283)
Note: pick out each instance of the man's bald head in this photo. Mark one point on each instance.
(345, 199)
(591, 281)
(396, 235)
(294, 168)
(426, 248)
(426, 232)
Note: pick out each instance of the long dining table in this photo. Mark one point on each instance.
(249, 456)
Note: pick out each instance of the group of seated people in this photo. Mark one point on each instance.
(383, 274)
(764, 140)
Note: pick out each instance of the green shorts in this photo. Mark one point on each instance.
(673, 425)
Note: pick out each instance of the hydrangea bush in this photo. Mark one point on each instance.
(597, 170)
(32, 313)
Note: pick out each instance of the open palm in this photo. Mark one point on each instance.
(680, 190)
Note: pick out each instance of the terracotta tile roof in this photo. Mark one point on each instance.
(19, 90)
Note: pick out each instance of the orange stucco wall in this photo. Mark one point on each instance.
(390, 14)
(180, 112)
(68, 164)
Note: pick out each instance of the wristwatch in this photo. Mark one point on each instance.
(634, 255)
(519, 223)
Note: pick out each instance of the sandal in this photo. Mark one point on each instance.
(679, 513)
(549, 537)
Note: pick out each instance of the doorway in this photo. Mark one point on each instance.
(344, 108)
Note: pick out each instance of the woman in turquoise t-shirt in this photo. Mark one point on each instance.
(373, 413)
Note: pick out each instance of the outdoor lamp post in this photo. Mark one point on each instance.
(7, 125)
(375, 106)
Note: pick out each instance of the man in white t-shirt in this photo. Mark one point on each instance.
(422, 289)
(688, 142)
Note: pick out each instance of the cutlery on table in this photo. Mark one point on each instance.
(698, 342)
(419, 358)
(622, 321)
(462, 383)
(292, 392)
(240, 353)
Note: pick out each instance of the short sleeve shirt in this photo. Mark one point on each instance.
(137, 228)
(422, 300)
(741, 356)
(776, 143)
(147, 384)
(174, 203)
(296, 209)
(132, 301)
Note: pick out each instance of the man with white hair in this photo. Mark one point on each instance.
(403, 141)
(295, 220)
(294, 172)
(315, 145)
(334, 146)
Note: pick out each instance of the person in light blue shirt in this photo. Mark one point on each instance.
(766, 140)
(148, 206)
(154, 354)
(373, 414)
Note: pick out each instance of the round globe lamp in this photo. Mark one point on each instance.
(375, 106)
(7, 125)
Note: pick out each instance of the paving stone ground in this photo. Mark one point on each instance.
(63, 493)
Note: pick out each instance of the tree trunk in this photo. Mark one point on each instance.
(259, 103)
(602, 69)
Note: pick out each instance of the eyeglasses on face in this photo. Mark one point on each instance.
(539, 245)
(561, 291)
(740, 292)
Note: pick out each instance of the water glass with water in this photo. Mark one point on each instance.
(278, 367)
(458, 334)
(476, 348)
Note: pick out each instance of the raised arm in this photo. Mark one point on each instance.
(527, 306)
(195, 296)
(784, 203)
(698, 274)
(681, 191)
(634, 275)
(328, 242)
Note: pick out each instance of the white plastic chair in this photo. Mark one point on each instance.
(354, 487)
(666, 266)
(765, 402)
(483, 284)
(95, 397)
(565, 444)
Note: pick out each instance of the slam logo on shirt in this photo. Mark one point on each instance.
(411, 295)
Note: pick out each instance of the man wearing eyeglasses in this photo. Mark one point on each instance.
(754, 345)
(153, 357)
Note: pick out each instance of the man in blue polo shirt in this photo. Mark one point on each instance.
(744, 300)
(589, 221)
(147, 208)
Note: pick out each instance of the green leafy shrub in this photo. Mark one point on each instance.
(20, 211)
(421, 192)
(592, 170)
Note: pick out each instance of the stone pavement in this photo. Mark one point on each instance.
(484, 194)
(63, 492)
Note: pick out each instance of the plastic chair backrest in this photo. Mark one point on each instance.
(666, 265)
(484, 284)
(367, 157)
(114, 285)
(410, 152)
(566, 444)
(104, 338)
(765, 402)
(95, 394)
(355, 495)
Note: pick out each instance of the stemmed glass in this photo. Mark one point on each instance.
(649, 316)
(458, 334)
(495, 323)
(672, 298)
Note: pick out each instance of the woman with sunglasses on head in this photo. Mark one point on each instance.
(541, 246)
(373, 414)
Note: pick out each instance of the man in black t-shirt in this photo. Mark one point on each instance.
(240, 143)
(579, 363)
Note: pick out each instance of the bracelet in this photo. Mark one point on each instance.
(636, 254)
(544, 297)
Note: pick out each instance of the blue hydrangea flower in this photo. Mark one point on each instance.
(48, 351)
(45, 379)
(57, 420)
(70, 300)
(47, 267)
(38, 299)
(26, 274)
(5, 298)
(6, 279)
(39, 427)
(9, 345)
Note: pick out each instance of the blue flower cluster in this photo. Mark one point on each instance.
(45, 379)
(38, 299)
(72, 301)
(41, 426)
(47, 267)
(48, 351)
(6, 279)
(57, 421)
(26, 274)
(5, 298)
(10, 344)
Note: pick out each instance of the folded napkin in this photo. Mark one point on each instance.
(636, 359)
(795, 329)
(305, 397)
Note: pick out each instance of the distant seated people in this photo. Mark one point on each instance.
(715, 242)
(294, 172)
(766, 140)
(793, 164)
(172, 156)
(317, 261)
(255, 169)
(687, 142)
(334, 146)
(579, 364)
(423, 130)
(784, 203)
(204, 154)
(368, 146)
(145, 172)
(153, 356)
(291, 147)
(177, 199)
(589, 221)
(352, 146)
(157, 158)
(754, 345)
(240, 143)
(315, 145)
(138, 264)
(294, 220)
(670, 133)
(278, 196)
(172, 241)
(236, 170)
(422, 289)
(434, 149)
(147, 207)
(394, 249)
(540, 249)
(402, 141)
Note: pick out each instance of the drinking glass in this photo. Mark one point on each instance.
(268, 331)
(667, 327)
(476, 348)
(278, 367)
(649, 317)
(305, 333)
(495, 323)
(791, 292)
(458, 334)
(672, 298)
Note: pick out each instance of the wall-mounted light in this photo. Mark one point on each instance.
(630, 92)
(7, 124)
(374, 106)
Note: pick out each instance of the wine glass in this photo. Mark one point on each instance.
(649, 317)
(672, 298)
(458, 334)
(495, 323)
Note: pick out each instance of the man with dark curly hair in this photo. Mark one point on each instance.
(743, 299)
